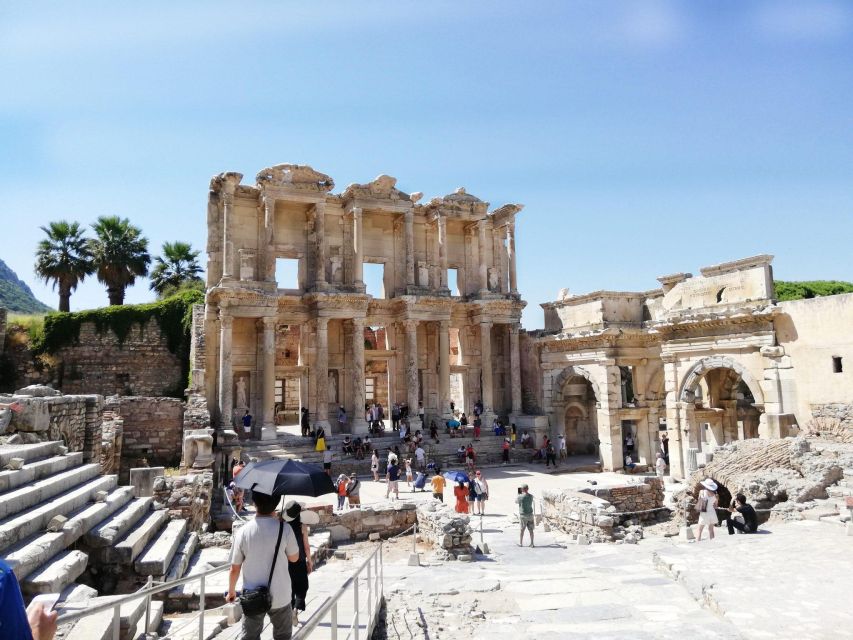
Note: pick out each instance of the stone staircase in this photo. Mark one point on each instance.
(60, 517)
(488, 449)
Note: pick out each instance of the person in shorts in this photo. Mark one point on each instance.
(327, 461)
(525, 513)
(393, 477)
(438, 483)
(247, 425)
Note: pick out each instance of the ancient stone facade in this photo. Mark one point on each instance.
(270, 346)
(99, 363)
(152, 432)
(705, 359)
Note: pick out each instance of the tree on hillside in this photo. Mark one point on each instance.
(120, 255)
(65, 258)
(175, 269)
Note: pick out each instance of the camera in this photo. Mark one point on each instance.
(520, 491)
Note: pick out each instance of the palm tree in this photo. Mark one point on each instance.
(177, 266)
(120, 254)
(65, 258)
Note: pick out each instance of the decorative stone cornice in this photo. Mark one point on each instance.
(225, 182)
(381, 188)
(459, 204)
(739, 316)
(505, 214)
(295, 176)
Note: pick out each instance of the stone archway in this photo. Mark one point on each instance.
(701, 368)
(559, 384)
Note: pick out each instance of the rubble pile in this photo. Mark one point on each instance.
(449, 532)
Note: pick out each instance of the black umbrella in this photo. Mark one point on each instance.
(285, 477)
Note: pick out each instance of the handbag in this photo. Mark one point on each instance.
(258, 602)
(701, 504)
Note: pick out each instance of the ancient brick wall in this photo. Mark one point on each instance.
(841, 411)
(152, 431)
(98, 363)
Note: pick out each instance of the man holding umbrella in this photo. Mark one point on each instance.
(255, 551)
(262, 548)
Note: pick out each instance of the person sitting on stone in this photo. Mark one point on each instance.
(743, 516)
(460, 453)
(629, 464)
(358, 448)
(347, 446)
(525, 440)
(433, 431)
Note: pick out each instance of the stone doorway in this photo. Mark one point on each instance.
(457, 391)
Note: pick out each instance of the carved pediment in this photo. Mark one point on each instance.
(381, 188)
(460, 202)
(296, 176)
(226, 181)
(506, 211)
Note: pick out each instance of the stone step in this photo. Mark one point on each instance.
(156, 557)
(839, 491)
(37, 469)
(28, 451)
(23, 498)
(182, 557)
(155, 619)
(107, 533)
(185, 626)
(126, 551)
(56, 574)
(99, 626)
(29, 554)
(20, 526)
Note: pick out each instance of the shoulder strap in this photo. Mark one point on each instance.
(275, 555)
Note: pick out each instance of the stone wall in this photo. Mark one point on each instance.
(606, 514)
(385, 519)
(112, 433)
(448, 532)
(152, 431)
(98, 363)
(840, 411)
(186, 497)
(47, 415)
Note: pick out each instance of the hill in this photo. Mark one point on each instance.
(15, 295)
(790, 290)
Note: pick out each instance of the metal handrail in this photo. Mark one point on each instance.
(147, 592)
(231, 505)
(374, 567)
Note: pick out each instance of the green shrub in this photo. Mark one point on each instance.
(789, 290)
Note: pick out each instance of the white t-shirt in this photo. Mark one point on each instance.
(253, 547)
(327, 455)
(419, 454)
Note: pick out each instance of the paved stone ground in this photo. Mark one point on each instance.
(793, 582)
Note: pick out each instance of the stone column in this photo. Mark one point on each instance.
(227, 242)
(499, 252)
(515, 369)
(412, 394)
(441, 223)
(319, 213)
(409, 221)
(359, 424)
(484, 267)
(268, 248)
(321, 367)
(358, 246)
(226, 379)
(486, 371)
(444, 369)
(513, 277)
(268, 431)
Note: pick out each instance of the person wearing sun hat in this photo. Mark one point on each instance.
(299, 519)
(706, 506)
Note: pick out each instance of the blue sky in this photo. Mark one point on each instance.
(644, 138)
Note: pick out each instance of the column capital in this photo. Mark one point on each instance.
(227, 197)
(269, 201)
(319, 207)
(321, 323)
(486, 323)
(410, 325)
(225, 317)
(444, 324)
(269, 322)
(515, 327)
(359, 322)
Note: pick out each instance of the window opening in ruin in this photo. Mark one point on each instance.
(627, 376)
(720, 294)
(453, 282)
(279, 391)
(837, 367)
(287, 273)
(370, 389)
(374, 279)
